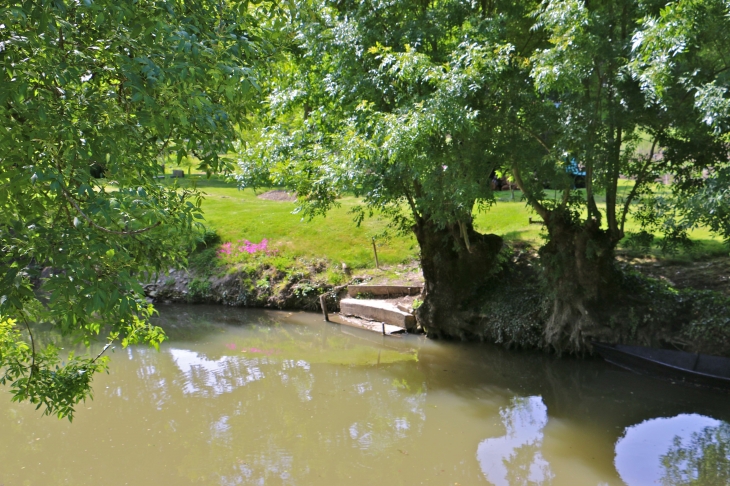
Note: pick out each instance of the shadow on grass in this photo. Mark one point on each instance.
(200, 181)
(701, 249)
(519, 236)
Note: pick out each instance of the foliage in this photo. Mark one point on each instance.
(92, 96)
(396, 108)
(513, 313)
(680, 61)
(198, 289)
(335, 276)
(704, 459)
(708, 328)
(206, 238)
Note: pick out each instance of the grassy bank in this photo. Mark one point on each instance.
(301, 260)
(240, 215)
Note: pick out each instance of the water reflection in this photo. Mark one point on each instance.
(248, 398)
(515, 458)
(704, 459)
(688, 449)
(211, 377)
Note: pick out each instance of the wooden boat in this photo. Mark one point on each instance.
(678, 366)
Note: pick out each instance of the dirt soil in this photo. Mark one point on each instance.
(278, 195)
(407, 275)
(706, 275)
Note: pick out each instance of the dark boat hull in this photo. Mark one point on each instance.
(678, 366)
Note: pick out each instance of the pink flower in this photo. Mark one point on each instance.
(225, 249)
(250, 248)
(245, 246)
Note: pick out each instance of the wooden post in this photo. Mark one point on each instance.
(323, 303)
(375, 250)
(383, 328)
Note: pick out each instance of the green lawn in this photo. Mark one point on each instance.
(239, 214)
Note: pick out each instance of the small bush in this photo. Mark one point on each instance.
(206, 239)
(281, 263)
(198, 289)
(335, 277)
(203, 261)
(709, 327)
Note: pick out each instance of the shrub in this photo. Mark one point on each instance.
(206, 239)
(335, 277)
(198, 289)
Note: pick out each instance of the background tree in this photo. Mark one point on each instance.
(703, 459)
(103, 88)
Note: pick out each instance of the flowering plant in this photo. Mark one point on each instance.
(244, 246)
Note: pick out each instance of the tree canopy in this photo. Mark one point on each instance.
(92, 95)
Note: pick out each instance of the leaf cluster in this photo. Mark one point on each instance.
(94, 96)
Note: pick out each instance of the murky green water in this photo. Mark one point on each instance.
(241, 397)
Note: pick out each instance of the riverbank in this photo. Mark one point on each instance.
(262, 254)
(675, 304)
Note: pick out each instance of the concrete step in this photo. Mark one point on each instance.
(383, 290)
(378, 310)
(368, 325)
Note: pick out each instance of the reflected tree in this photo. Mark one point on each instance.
(525, 466)
(704, 460)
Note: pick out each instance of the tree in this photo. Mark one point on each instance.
(91, 94)
(682, 63)
(601, 116)
(398, 105)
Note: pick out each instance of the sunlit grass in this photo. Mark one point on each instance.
(239, 214)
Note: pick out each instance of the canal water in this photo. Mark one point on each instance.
(250, 397)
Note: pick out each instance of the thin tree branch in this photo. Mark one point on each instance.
(106, 346)
(533, 135)
(101, 228)
(32, 347)
(539, 208)
(639, 181)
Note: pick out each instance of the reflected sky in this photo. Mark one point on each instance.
(515, 458)
(687, 449)
(211, 377)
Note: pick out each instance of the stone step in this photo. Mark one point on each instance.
(383, 290)
(378, 310)
(368, 325)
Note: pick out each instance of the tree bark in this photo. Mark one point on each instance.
(580, 272)
(456, 261)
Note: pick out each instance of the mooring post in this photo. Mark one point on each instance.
(323, 303)
(375, 250)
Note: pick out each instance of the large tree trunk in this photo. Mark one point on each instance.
(454, 268)
(581, 274)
